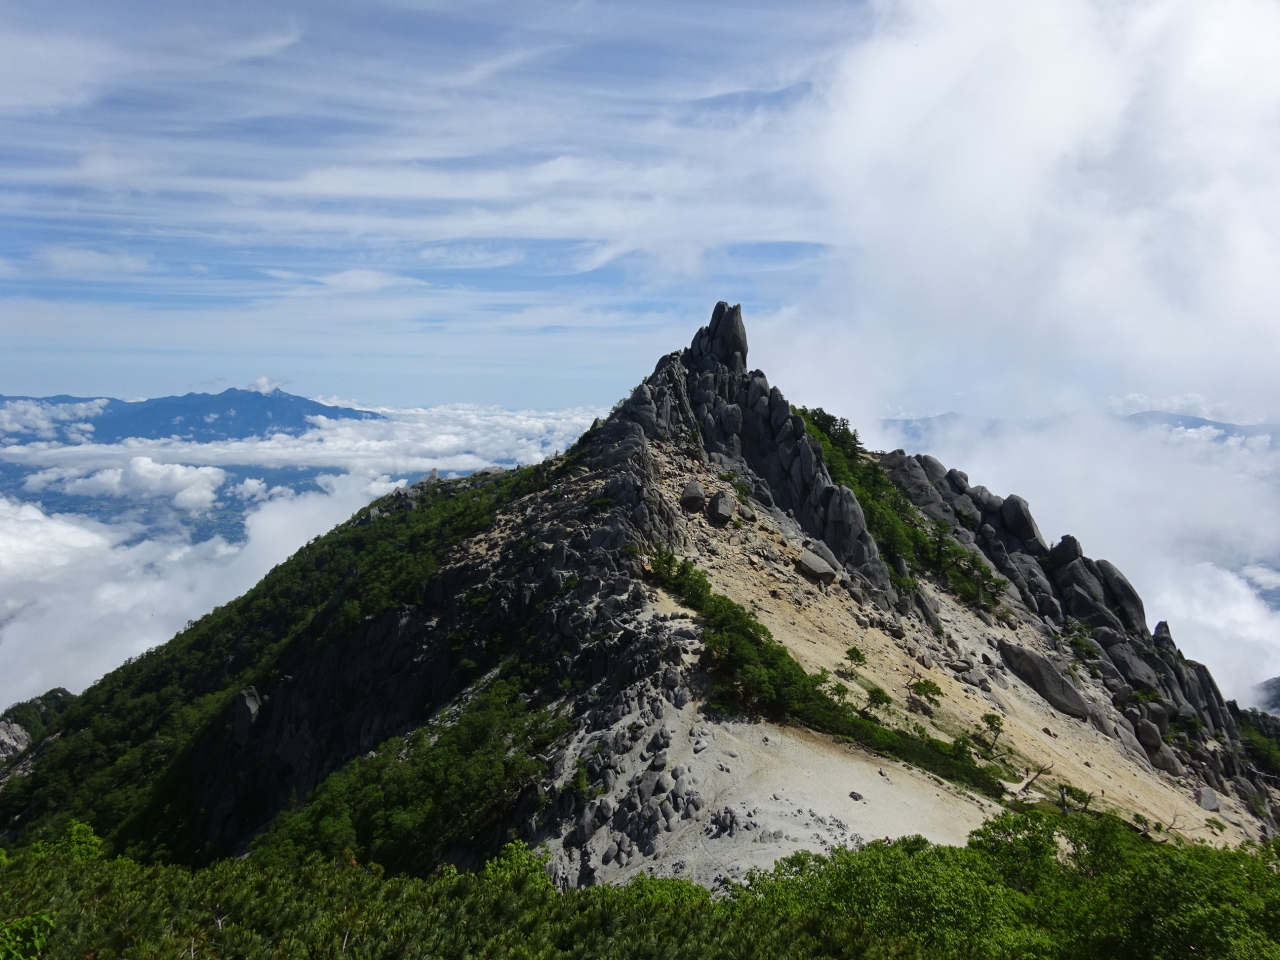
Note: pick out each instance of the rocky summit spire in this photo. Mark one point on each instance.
(724, 339)
(704, 396)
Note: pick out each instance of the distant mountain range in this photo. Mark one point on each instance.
(198, 417)
(920, 431)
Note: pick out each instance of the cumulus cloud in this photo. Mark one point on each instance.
(191, 488)
(80, 596)
(42, 418)
(455, 438)
(265, 384)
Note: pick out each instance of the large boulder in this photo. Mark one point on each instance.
(1043, 677)
(1133, 747)
(720, 509)
(1127, 602)
(1164, 759)
(910, 476)
(1018, 521)
(815, 568)
(694, 497)
(1132, 667)
(1207, 799)
(844, 525)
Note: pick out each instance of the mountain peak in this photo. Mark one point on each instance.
(676, 601)
(724, 339)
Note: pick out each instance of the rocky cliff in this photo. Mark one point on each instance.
(706, 458)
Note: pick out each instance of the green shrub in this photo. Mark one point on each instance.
(755, 673)
(1026, 887)
(900, 530)
(420, 795)
(117, 762)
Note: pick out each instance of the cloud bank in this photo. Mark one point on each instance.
(79, 595)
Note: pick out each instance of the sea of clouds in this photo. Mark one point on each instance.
(82, 589)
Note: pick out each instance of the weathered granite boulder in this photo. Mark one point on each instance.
(1043, 677)
(1125, 600)
(721, 508)
(815, 568)
(694, 497)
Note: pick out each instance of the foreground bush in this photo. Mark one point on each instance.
(1026, 886)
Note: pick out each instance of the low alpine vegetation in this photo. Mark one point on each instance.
(900, 531)
(755, 673)
(1032, 886)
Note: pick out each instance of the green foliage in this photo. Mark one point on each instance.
(928, 691)
(1258, 731)
(78, 841)
(856, 657)
(754, 672)
(877, 698)
(1026, 887)
(994, 724)
(35, 715)
(418, 796)
(121, 742)
(900, 531)
(25, 937)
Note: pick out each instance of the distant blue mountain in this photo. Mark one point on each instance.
(1148, 417)
(919, 433)
(200, 417)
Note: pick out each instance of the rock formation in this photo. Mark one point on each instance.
(706, 458)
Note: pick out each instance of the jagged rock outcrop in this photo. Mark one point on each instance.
(1150, 687)
(13, 739)
(705, 458)
(744, 425)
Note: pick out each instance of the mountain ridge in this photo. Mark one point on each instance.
(194, 417)
(544, 579)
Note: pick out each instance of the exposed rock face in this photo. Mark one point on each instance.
(13, 739)
(1142, 673)
(816, 568)
(1041, 675)
(744, 425)
(562, 574)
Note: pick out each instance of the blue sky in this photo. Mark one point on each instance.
(992, 207)
(396, 202)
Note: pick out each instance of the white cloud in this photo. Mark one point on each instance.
(1265, 577)
(81, 596)
(466, 256)
(48, 71)
(82, 262)
(43, 419)
(1187, 404)
(265, 384)
(453, 438)
(365, 281)
(190, 488)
